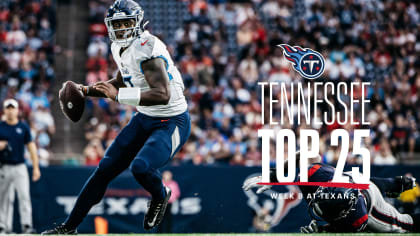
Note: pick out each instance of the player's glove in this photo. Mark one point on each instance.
(311, 228)
(253, 183)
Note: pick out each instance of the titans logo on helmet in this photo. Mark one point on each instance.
(309, 63)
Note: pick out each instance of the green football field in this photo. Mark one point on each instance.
(260, 234)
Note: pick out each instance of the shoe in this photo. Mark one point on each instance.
(2, 231)
(405, 182)
(156, 211)
(60, 229)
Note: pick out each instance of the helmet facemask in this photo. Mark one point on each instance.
(124, 35)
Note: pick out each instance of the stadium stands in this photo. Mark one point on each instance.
(26, 64)
(224, 48)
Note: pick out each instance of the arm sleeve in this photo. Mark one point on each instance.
(356, 221)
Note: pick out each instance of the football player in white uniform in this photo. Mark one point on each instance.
(148, 80)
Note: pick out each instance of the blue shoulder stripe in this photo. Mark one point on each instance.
(166, 63)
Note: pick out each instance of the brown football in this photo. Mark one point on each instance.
(72, 101)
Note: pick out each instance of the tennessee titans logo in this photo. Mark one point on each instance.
(309, 63)
(277, 208)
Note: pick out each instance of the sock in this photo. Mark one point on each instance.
(151, 182)
(386, 184)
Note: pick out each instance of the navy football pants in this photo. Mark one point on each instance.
(145, 145)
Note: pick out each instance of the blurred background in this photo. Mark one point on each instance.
(223, 49)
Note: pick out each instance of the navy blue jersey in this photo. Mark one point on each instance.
(17, 136)
(317, 172)
(355, 221)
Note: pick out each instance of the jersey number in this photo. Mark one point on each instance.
(128, 80)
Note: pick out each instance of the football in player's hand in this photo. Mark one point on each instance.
(72, 101)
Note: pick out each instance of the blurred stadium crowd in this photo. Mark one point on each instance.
(27, 30)
(223, 48)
